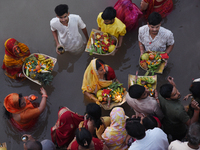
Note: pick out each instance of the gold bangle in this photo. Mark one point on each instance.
(44, 96)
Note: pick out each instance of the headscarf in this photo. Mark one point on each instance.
(12, 63)
(68, 123)
(91, 81)
(11, 103)
(115, 135)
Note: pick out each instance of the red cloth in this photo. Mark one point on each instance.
(110, 74)
(159, 3)
(128, 13)
(158, 121)
(163, 10)
(164, 56)
(68, 123)
(98, 144)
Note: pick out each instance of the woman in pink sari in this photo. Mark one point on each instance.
(128, 13)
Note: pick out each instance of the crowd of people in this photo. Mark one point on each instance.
(160, 122)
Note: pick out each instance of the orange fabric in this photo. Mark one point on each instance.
(28, 114)
(12, 63)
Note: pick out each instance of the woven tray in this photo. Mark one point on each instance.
(131, 80)
(113, 104)
(160, 67)
(89, 43)
(36, 81)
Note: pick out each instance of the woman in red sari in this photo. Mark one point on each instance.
(15, 55)
(84, 141)
(163, 7)
(63, 132)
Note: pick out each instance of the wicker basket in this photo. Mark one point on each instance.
(36, 81)
(131, 80)
(89, 43)
(160, 67)
(113, 104)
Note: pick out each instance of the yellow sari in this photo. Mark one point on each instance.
(91, 80)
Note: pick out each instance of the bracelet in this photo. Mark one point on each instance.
(44, 96)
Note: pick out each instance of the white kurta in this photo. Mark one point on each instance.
(69, 36)
(163, 39)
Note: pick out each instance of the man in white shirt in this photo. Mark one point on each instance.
(153, 37)
(65, 28)
(152, 139)
(138, 98)
(193, 140)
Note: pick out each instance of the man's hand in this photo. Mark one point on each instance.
(187, 96)
(195, 105)
(29, 137)
(57, 51)
(171, 80)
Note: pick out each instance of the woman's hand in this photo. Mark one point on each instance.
(43, 91)
(187, 96)
(100, 131)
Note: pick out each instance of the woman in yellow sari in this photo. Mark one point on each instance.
(15, 55)
(97, 75)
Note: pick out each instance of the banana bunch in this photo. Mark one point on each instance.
(41, 58)
(45, 61)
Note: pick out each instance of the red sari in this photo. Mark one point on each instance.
(12, 64)
(98, 144)
(163, 10)
(67, 124)
(128, 13)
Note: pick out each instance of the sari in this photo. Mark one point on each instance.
(67, 122)
(98, 144)
(12, 64)
(128, 13)
(163, 10)
(91, 81)
(115, 135)
(29, 114)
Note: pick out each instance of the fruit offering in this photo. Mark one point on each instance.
(38, 67)
(151, 61)
(101, 43)
(113, 93)
(147, 82)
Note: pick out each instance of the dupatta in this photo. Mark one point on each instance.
(150, 8)
(91, 81)
(12, 64)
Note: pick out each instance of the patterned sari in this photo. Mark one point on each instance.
(12, 63)
(91, 81)
(163, 10)
(28, 114)
(115, 135)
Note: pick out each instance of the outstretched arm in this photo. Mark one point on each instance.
(43, 101)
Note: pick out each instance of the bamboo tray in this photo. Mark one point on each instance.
(160, 67)
(89, 43)
(36, 81)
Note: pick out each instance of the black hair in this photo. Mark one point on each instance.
(166, 90)
(99, 63)
(154, 18)
(7, 114)
(109, 13)
(61, 9)
(195, 89)
(20, 96)
(149, 122)
(136, 91)
(93, 112)
(33, 145)
(134, 128)
(83, 137)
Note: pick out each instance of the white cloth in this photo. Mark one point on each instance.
(148, 106)
(155, 139)
(48, 145)
(163, 39)
(69, 36)
(178, 145)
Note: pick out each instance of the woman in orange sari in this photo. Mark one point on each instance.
(163, 7)
(15, 55)
(21, 111)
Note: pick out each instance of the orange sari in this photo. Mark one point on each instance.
(12, 64)
(163, 10)
(28, 114)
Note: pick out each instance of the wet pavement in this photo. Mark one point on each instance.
(28, 22)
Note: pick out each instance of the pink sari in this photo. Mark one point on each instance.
(128, 13)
